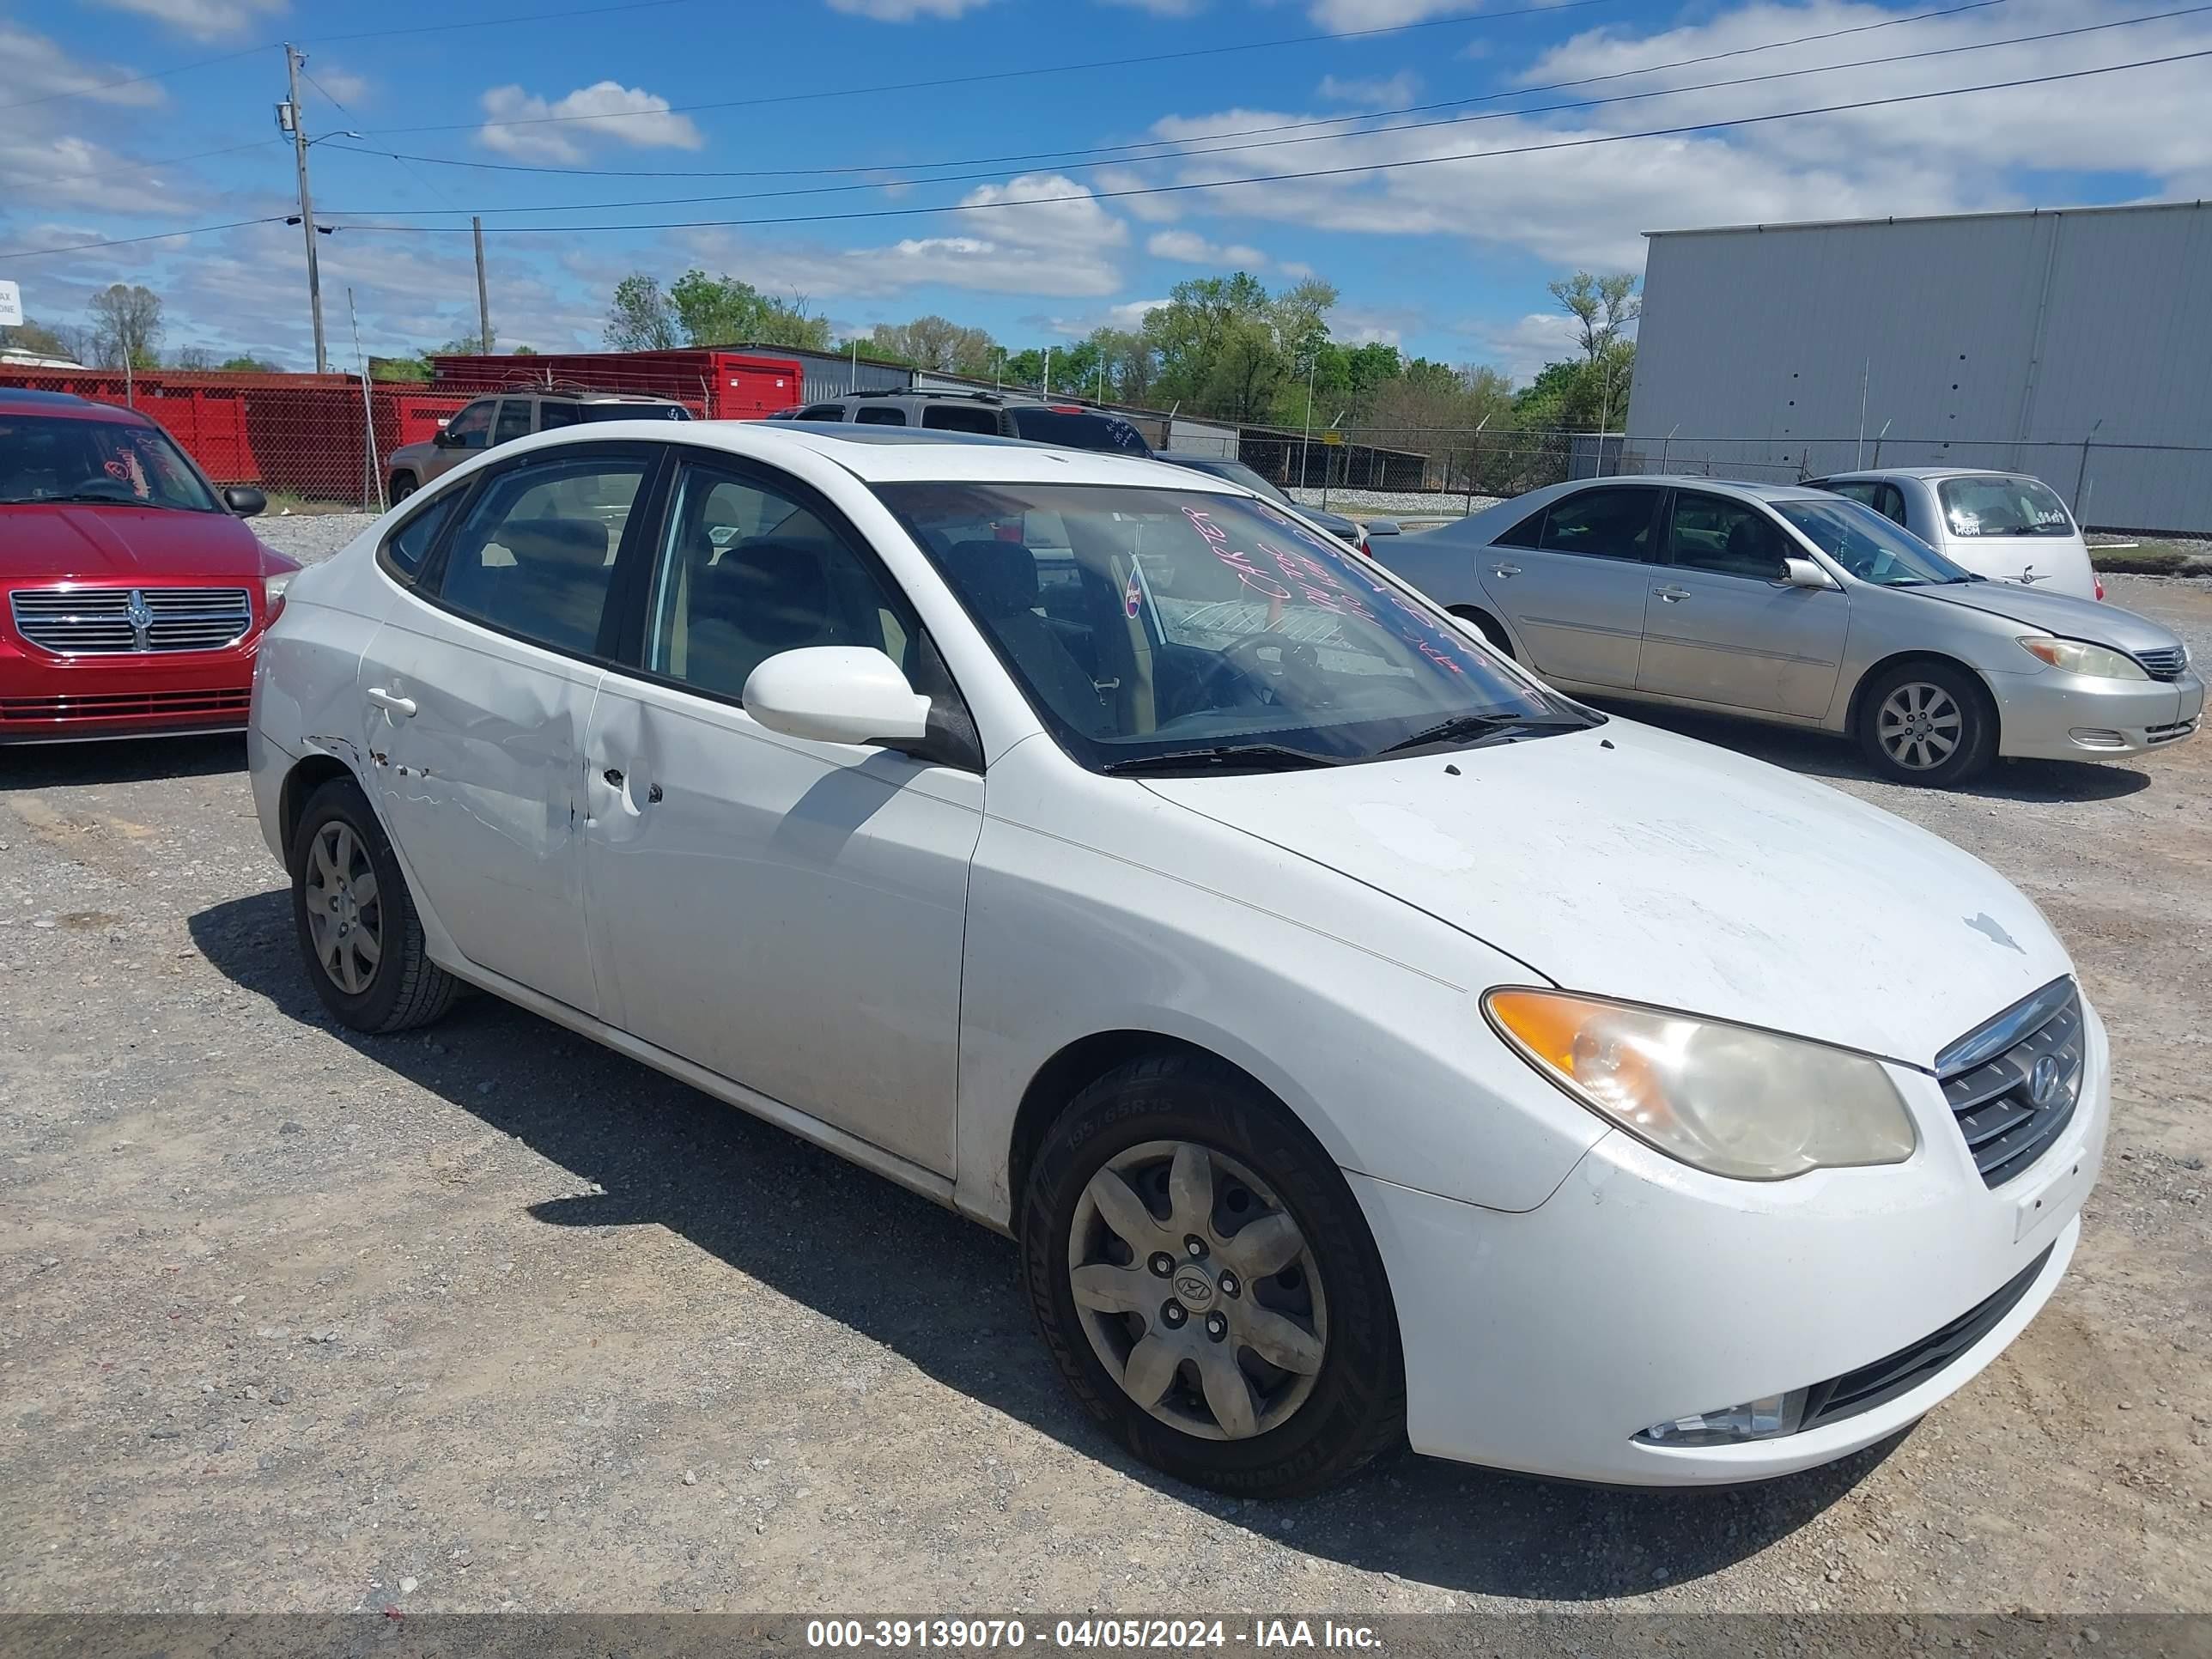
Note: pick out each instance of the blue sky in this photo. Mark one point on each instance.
(1447, 258)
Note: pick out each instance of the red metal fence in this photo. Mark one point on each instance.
(299, 435)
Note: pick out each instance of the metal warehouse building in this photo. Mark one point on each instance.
(2073, 344)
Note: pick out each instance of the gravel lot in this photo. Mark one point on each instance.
(487, 1317)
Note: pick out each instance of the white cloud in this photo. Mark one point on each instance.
(1165, 8)
(1297, 269)
(1343, 16)
(1187, 247)
(1393, 92)
(1522, 347)
(203, 19)
(556, 132)
(905, 11)
(342, 85)
(32, 66)
(1152, 209)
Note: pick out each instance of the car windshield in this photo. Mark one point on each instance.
(44, 457)
(1077, 429)
(1156, 627)
(1870, 546)
(1997, 505)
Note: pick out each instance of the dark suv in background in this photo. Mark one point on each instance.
(1072, 426)
(503, 416)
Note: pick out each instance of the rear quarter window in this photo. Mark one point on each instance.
(410, 541)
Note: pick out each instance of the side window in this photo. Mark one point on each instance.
(747, 571)
(513, 420)
(961, 417)
(821, 412)
(877, 415)
(1602, 524)
(407, 546)
(1724, 538)
(536, 553)
(472, 428)
(1863, 490)
(1530, 532)
(1891, 506)
(553, 415)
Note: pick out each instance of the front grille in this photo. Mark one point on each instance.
(1869, 1386)
(2163, 664)
(118, 705)
(80, 622)
(2009, 1104)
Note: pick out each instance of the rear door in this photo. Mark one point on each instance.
(1723, 626)
(1574, 588)
(476, 693)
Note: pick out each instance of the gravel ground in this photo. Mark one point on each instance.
(311, 537)
(487, 1317)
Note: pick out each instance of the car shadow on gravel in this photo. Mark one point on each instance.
(941, 1292)
(1820, 755)
(130, 760)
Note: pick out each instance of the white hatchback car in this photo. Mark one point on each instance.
(1362, 1041)
(2004, 525)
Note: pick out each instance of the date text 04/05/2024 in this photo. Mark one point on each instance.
(1169, 1635)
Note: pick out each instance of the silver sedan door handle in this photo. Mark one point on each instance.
(1505, 570)
(384, 700)
(1674, 595)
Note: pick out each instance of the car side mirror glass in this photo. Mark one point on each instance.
(244, 500)
(445, 439)
(1803, 572)
(837, 694)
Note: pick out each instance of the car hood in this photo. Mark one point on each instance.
(2054, 613)
(78, 542)
(1664, 871)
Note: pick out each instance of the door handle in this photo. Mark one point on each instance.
(617, 779)
(1505, 570)
(390, 705)
(1672, 595)
(613, 775)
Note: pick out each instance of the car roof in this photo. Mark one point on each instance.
(32, 400)
(891, 454)
(1930, 473)
(1758, 489)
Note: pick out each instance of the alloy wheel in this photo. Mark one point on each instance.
(344, 917)
(1197, 1290)
(1918, 726)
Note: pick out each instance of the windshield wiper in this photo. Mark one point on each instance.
(1224, 758)
(1470, 726)
(93, 496)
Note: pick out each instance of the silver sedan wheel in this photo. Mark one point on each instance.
(1198, 1292)
(1920, 726)
(344, 918)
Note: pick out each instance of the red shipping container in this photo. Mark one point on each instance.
(713, 385)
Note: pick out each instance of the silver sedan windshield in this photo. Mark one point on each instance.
(1869, 546)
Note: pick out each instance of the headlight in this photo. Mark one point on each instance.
(1724, 1098)
(2098, 662)
(272, 592)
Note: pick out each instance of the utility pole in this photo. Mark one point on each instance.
(483, 302)
(291, 114)
(1047, 371)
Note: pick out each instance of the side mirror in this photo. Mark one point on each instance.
(244, 499)
(1803, 572)
(837, 694)
(445, 439)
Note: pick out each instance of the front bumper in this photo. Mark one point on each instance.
(1644, 1290)
(49, 699)
(2054, 715)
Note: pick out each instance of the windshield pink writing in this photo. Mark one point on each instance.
(1217, 539)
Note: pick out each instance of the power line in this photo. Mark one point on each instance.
(1327, 173)
(1016, 73)
(1203, 137)
(1585, 141)
(134, 80)
(1884, 61)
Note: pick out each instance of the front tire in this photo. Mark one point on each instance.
(1207, 1284)
(356, 919)
(403, 486)
(1929, 724)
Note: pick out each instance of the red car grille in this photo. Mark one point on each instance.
(110, 620)
(124, 705)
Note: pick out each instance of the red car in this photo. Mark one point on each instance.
(135, 596)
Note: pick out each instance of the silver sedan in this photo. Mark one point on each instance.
(1798, 606)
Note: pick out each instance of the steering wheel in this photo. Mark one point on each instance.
(92, 482)
(1252, 672)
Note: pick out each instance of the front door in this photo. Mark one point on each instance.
(477, 692)
(1574, 592)
(788, 914)
(1723, 625)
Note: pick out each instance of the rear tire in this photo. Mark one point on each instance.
(356, 919)
(1225, 1190)
(1929, 724)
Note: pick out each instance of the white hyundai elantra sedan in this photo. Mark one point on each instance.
(1363, 1043)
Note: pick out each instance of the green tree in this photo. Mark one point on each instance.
(246, 364)
(1228, 348)
(126, 325)
(642, 317)
(404, 370)
(723, 311)
(1602, 307)
(936, 343)
(38, 339)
